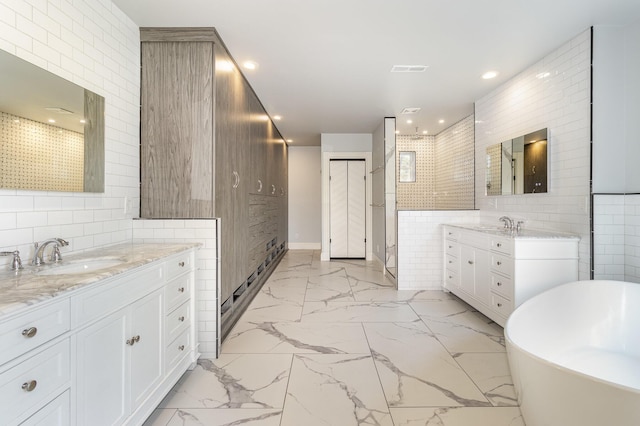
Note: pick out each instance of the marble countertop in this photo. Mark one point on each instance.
(524, 233)
(30, 285)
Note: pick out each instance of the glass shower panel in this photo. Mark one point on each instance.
(390, 196)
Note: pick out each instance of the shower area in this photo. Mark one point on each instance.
(426, 178)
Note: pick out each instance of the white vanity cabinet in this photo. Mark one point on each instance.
(100, 354)
(495, 272)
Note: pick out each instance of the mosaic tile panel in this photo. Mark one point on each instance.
(418, 195)
(39, 156)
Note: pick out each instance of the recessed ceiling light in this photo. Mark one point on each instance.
(424, 132)
(250, 65)
(397, 132)
(441, 121)
(409, 68)
(409, 121)
(489, 75)
(277, 117)
(410, 110)
(543, 75)
(83, 121)
(51, 120)
(289, 140)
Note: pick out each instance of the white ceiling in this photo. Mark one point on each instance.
(324, 64)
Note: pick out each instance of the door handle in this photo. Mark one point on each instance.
(259, 185)
(236, 177)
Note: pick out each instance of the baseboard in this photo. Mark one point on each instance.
(305, 246)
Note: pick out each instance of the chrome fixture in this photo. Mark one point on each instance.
(519, 226)
(508, 222)
(55, 254)
(16, 262)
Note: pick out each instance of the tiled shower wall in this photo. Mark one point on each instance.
(553, 93)
(38, 156)
(444, 169)
(93, 44)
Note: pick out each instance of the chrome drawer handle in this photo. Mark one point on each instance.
(259, 185)
(181, 347)
(498, 263)
(181, 264)
(181, 319)
(29, 332)
(133, 340)
(470, 262)
(499, 284)
(181, 290)
(499, 305)
(29, 386)
(450, 261)
(499, 245)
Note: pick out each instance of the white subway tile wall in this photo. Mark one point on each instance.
(93, 44)
(420, 246)
(616, 241)
(553, 93)
(201, 231)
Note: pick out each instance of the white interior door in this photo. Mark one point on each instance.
(347, 199)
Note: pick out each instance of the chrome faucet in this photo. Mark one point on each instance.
(38, 257)
(508, 222)
(16, 262)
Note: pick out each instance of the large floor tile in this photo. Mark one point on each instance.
(357, 312)
(416, 371)
(233, 381)
(467, 332)
(457, 416)
(329, 288)
(276, 304)
(490, 372)
(160, 417)
(296, 337)
(334, 390)
(225, 417)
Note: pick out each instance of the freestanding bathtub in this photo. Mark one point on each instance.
(574, 353)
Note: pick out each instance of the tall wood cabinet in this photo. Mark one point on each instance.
(209, 149)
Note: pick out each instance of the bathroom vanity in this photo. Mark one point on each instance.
(495, 270)
(99, 339)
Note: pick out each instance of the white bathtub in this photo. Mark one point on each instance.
(574, 353)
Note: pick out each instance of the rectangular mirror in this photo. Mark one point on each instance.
(518, 165)
(51, 131)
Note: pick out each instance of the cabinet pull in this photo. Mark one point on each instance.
(29, 332)
(470, 262)
(181, 264)
(281, 191)
(498, 245)
(181, 347)
(499, 305)
(236, 176)
(29, 386)
(181, 290)
(498, 263)
(499, 284)
(181, 319)
(273, 190)
(133, 340)
(259, 185)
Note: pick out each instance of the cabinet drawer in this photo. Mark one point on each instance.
(502, 264)
(57, 413)
(452, 234)
(177, 292)
(451, 278)
(177, 349)
(177, 321)
(452, 248)
(501, 305)
(45, 373)
(179, 264)
(452, 263)
(42, 325)
(110, 297)
(502, 245)
(502, 285)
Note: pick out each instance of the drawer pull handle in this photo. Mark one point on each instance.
(181, 290)
(499, 305)
(181, 347)
(181, 319)
(470, 262)
(181, 264)
(450, 277)
(29, 386)
(499, 245)
(29, 332)
(499, 284)
(133, 340)
(498, 263)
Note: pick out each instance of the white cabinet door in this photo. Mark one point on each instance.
(347, 205)
(483, 277)
(467, 269)
(146, 352)
(102, 374)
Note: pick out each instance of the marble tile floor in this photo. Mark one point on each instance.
(333, 344)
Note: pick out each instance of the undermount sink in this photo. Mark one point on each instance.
(82, 266)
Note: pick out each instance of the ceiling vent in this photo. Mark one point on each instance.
(409, 68)
(409, 110)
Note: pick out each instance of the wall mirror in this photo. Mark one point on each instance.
(518, 165)
(51, 131)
